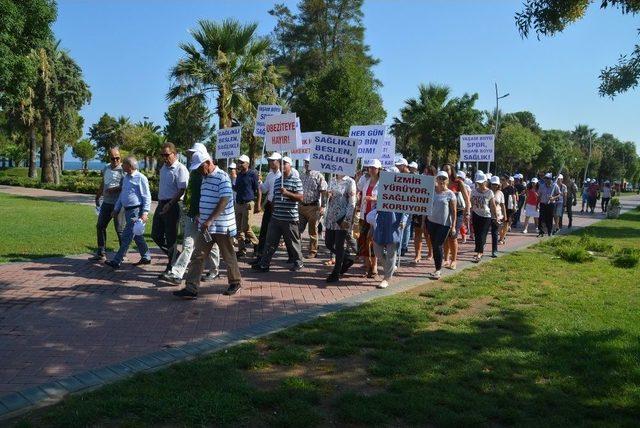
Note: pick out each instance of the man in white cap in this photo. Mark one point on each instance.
(559, 208)
(246, 188)
(548, 193)
(266, 188)
(284, 220)
(217, 226)
(314, 188)
(190, 230)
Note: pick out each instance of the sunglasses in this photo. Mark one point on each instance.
(440, 178)
(166, 155)
(115, 159)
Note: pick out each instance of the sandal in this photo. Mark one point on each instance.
(452, 266)
(476, 259)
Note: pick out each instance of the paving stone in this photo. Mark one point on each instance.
(88, 379)
(177, 353)
(150, 361)
(71, 384)
(121, 369)
(34, 394)
(136, 365)
(106, 375)
(54, 390)
(163, 356)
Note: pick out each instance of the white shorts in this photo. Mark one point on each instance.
(531, 211)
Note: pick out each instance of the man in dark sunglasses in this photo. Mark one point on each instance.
(112, 176)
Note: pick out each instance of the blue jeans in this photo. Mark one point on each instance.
(132, 215)
(406, 235)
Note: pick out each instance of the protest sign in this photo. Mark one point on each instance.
(304, 149)
(371, 140)
(334, 155)
(405, 193)
(280, 133)
(477, 148)
(387, 153)
(263, 112)
(228, 142)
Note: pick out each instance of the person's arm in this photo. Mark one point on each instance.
(494, 209)
(222, 203)
(258, 206)
(99, 192)
(467, 200)
(298, 197)
(351, 207)
(145, 193)
(453, 213)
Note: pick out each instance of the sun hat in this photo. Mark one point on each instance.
(442, 174)
(495, 179)
(480, 177)
(511, 178)
(413, 164)
(534, 180)
(307, 158)
(244, 159)
(462, 175)
(198, 147)
(274, 156)
(548, 175)
(401, 161)
(560, 176)
(198, 159)
(287, 159)
(232, 166)
(374, 163)
(468, 181)
(393, 169)
(138, 227)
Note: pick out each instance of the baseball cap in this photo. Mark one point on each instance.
(375, 163)
(413, 164)
(442, 174)
(393, 169)
(480, 177)
(232, 166)
(461, 174)
(275, 156)
(534, 180)
(198, 159)
(307, 158)
(495, 179)
(401, 161)
(244, 159)
(511, 178)
(198, 147)
(548, 175)
(560, 176)
(468, 181)
(287, 159)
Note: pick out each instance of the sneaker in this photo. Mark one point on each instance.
(260, 268)
(346, 264)
(333, 278)
(172, 279)
(435, 275)
(233, 289)
(210, 276)
(494, 254)
(98, 258)
(525, 231)
(112, 263)
(296, 267)
(142, 261)
(164, 274)
(383, 284)
(185, 294)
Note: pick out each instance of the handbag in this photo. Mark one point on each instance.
(460, 200)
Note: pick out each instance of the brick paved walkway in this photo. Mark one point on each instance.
(66, 315)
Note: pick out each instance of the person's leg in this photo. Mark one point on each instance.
(378, 250)
(228, 254)
(570, 212)
(550, 208)
(404, 242)
(291, 235)
(250, 235)
(171, 220)
(200, 251)
(189, 231)
(303, 219)
(158, 228)
(313, 219)
(417, 244)
(437, 246)
(213, 261)
(476, 220)
(264, 227)
(101, 227)
(127, 235)
(119, 223)
(143, 248)
(240, 225)
(330, 240)
(274, 233)
(390, 260)
(495, 235)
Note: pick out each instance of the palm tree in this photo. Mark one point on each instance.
(222, 62)
(585, 137)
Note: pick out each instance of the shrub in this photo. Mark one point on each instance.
(574, 254)
(593, 244)
(627, 258)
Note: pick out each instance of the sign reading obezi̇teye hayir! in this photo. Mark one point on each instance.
(281, 132)
(333, 154)
(477, 148)
(405, 193)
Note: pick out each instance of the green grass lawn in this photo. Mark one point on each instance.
(527, 340)
(33, 228)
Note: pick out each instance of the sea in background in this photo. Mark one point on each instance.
(76, 165)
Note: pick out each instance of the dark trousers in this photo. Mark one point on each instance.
(282, 229)
(546, 217)
(570, 211)
(335, 241)
(481, 227)
(516, 216)
(438, 234)
(101, 226)
(604, 204)
(495, 234)
(264, 226)
(164, 230)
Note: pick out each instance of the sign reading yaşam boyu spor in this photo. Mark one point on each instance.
(477, 148)
(405, 193)
(371, 140)
(281, 132)
(228, 142)
(387, 154)
(334, 155)
(304, 149)
(263, 112)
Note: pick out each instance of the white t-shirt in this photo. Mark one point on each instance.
(499, 197)
(480, 202)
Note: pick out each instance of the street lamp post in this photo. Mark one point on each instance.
(495, 131)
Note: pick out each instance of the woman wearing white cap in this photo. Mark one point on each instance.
(368, 191)
(531, 204)
(501, 214)
(484, 212)
(442, 220)
(463, 209)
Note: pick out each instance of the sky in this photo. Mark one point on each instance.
(126, 49)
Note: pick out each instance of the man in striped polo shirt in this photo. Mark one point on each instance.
(217, 226)
(284, 219)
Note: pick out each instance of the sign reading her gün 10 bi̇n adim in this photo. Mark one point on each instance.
(477, 148)
(370, 140)
(334, 155)
(405, 193)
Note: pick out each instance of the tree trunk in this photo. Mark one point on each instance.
(45, 158)
(429, 157)
(55, 157)
(252, 149)
(33, 147)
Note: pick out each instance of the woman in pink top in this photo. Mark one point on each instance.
(531, 205)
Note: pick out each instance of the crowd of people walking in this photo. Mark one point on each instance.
(215, 208)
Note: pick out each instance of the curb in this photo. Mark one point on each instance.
(18, 403)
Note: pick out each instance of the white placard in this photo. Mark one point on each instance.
(477, 148)
(281, 132)
(405, 193)
(263, 112)
(334, 155)
(304, 149)
(371, 140)
(387, 156)
(228, 142)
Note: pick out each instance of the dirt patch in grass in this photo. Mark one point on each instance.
(473, 308)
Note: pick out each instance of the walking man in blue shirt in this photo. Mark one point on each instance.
(246, 188)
